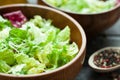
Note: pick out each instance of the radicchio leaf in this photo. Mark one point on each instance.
(17, 18)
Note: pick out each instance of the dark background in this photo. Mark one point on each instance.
(109, 37)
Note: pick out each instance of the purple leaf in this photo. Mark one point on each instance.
(17, 18)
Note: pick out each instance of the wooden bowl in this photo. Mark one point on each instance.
(93, 23)
(60, 19)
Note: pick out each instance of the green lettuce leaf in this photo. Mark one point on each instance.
(37, 70)
(63, 35)
(4, 67)
(42, 54)
(4, 23)
(35, 32)
(4, 33)
(16, 32)
(17, 69)
(7, 56)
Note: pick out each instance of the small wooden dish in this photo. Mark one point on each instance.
(99, 69)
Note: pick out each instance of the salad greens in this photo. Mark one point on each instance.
(35, 47)
(83, 6)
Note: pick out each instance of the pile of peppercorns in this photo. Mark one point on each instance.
(107, 58)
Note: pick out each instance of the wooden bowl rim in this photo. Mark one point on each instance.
(81, 51)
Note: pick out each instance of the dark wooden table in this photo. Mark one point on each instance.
(110, 37)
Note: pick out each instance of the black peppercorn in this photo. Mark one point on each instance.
(107, 58)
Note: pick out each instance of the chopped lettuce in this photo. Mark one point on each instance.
(25, 59)
(4, 67)
(17, 69)
(30, 63)
(35, 32)
(63, 36)
(18, 33)
(4, 23)
(37, 69)
(4, 33)
(83, 6)
(36, 47)
(7, 56)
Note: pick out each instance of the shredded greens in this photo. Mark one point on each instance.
(36, 47)
(83, 6)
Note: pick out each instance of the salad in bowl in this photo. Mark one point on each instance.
(83, 6)
(33, 46)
